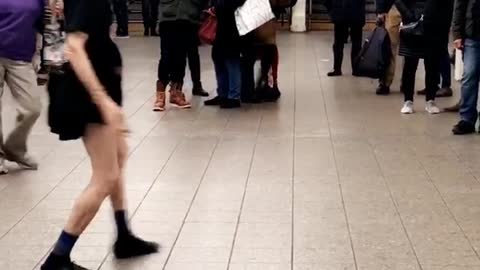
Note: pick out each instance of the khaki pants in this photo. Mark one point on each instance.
(393, 21)
(20, 78)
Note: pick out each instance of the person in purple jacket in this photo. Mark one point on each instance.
(19, 23)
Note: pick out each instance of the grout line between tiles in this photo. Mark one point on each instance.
(395, 205)
(244, 193)
(332, 145)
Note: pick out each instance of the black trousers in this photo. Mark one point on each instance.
(432, 71)
(341, 32)
(194, 62)
(121, 14)
(176, 38)
(436, 37)
(150, 13)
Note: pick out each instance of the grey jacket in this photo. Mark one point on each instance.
(466, 19)
(185, 10)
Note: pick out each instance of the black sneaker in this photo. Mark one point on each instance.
(132, 246)
(230, 104)
(463, 128)
(199, 91)
(334, 73)
(54, 262)
(383, 90)
(216, 101)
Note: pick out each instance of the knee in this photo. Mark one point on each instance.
(106, 182)
(33, 110)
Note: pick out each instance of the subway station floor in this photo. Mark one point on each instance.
(330, 178)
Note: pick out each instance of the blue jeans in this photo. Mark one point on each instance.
(470, 81)
(228, 73)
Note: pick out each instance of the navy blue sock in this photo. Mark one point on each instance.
(65, 244)
(122, 223)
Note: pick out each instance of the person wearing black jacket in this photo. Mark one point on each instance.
(437, 17)
(150, 17)
(226, 56)
(466, 33)
(348, 17)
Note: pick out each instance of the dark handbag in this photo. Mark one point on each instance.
(208, 29)
(413, 29)
(374, 58)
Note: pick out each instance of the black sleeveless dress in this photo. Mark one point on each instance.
(71, 108)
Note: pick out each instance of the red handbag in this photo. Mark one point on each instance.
(208, 29)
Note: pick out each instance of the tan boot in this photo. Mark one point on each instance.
(159, 105)
(177, 97)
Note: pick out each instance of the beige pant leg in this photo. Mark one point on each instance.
(20, 78)
(394, 19)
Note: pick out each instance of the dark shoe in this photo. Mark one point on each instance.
(131, 247)
(216, 101)
(463, 128)
(334, 73)
(146, 32)
(453, 109)
(251, 100)
(54, 262)
(199, 91)
(270, 94)
(383, 90)
(122, 35)
(445, 92)
(230, 104)
(422, 92)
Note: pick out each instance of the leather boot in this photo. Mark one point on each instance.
(177, 97)
(159, 105)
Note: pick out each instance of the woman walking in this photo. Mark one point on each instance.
(85, 100)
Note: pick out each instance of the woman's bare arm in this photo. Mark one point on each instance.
(78, 58)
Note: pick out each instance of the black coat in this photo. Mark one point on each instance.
(346, 11)
(466, 21)
(437, 20)
(384, 6)
(227, 39)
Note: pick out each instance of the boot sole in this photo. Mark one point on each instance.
(182, 107)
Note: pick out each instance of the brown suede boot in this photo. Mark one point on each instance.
(177, 97)
(159, 105)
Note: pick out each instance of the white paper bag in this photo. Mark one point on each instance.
(253, 14)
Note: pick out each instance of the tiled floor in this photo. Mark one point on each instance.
(330, 178)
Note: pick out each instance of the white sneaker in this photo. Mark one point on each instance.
(3, 168)
(407, 107)
(432, 108)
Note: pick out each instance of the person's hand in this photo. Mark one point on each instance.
(382, 17)
(458, 44)
(113, 115)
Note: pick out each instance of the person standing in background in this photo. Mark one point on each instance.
(194, 65)
(348, 17)
(20, 21)
(389, 15)
(466, 33)
(120, 7)
(150, 17)
(179, 22)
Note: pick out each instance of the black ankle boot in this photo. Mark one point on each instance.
(198, 90)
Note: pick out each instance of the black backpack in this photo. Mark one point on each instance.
(374, 58)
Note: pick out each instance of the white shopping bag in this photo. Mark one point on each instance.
(253, 14)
